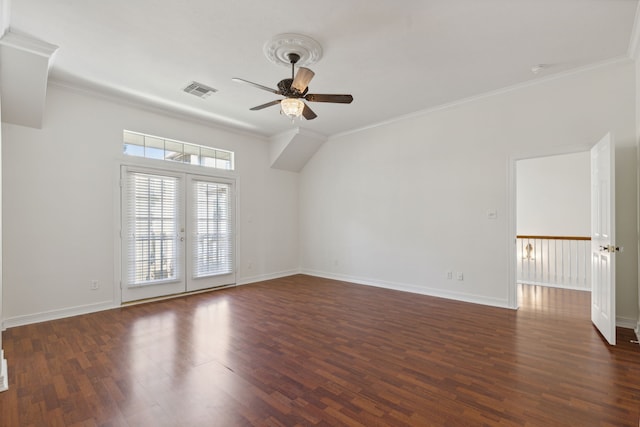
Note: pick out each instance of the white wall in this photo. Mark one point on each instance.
(60, 204)
(553, 195)
(396, 205)
(400, 204)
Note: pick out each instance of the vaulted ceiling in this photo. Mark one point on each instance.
(395, 58)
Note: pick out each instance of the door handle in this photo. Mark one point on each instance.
(609, 248)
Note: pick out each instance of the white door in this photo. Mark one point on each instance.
(210, 233)
(177, 233)
(603, 266)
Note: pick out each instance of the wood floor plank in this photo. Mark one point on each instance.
(306, 351)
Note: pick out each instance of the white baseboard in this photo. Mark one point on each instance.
(28, 319)
(553, 285)
(263, 277)
(625, 322)
(4, 377)
(621, 322)
(405, 287)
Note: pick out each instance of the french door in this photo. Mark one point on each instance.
(177, 233)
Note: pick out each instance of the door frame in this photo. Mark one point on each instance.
(512, 292)
(161, 166)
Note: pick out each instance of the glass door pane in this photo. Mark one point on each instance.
(153, 235)
(211, 233)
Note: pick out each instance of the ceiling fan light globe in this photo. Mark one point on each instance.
(292, 107)
(302, 79)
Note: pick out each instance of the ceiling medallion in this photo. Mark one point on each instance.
(277, 49)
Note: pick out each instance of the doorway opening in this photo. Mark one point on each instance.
(553, 226)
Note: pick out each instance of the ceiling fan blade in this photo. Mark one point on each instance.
(308, 113)
(303, 77)
(259, 86)
(268, 104)
(319, 97)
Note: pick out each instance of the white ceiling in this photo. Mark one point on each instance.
(394, 57)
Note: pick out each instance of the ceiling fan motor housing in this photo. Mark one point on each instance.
(285, 87)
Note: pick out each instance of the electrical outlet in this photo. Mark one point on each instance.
(94, 285)
(459, 275)
(449, 275)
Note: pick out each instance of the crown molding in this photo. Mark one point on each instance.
(146, 103)
(489, 94)
(26, 43)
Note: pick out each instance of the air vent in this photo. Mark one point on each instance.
(199, 90)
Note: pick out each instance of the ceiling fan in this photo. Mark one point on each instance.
(294, 90)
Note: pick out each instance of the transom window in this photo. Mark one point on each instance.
(153, 147)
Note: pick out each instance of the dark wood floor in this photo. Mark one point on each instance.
(304, 351)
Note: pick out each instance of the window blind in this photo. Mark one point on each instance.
(212, 244)
(152, 220)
